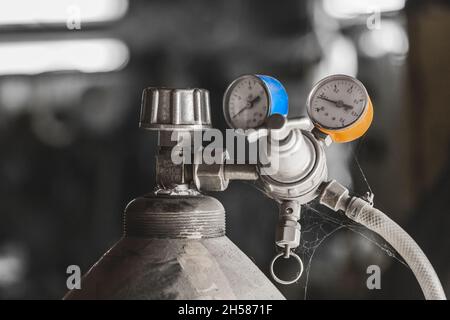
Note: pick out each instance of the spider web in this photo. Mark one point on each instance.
(320, 225)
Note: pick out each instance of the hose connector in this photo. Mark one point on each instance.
(336, 197)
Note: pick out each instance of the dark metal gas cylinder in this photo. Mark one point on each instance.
(174, 247)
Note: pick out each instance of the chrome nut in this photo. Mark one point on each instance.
(323, 137)
(210, 177)
(334, 196)
(288, 234)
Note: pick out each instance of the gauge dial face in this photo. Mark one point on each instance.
(246, 103)
(337, 102)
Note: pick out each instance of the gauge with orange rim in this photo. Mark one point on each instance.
(340, 106)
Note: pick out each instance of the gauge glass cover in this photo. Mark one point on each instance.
(337, 102)
(246, 103)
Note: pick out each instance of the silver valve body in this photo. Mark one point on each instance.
(297, 159)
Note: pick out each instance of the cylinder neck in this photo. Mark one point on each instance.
(175, 217)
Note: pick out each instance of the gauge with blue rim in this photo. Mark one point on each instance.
(251, 99)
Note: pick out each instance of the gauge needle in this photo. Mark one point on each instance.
(249, 105)
(339, 103)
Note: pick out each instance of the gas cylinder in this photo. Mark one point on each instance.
(174, 244)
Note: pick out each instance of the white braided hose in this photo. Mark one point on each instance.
(380, 223)
(335, 196)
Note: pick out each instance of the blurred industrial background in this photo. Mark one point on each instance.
(72, 156)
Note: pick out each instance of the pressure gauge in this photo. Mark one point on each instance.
(340, 106)
(250, 99)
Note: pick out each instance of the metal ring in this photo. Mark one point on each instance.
(272, 273)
